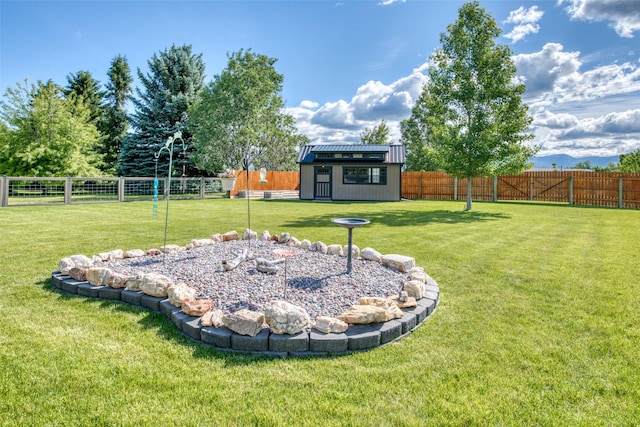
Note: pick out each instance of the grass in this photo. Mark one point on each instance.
(538, 324)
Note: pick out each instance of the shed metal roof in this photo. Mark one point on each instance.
(395, 152)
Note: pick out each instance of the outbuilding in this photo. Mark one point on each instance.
(351, 172)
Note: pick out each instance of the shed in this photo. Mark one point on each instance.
(351, 172)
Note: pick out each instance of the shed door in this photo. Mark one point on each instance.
(322, 180)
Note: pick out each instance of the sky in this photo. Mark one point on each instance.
(347, 65)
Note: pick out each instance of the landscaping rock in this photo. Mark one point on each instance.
(327, 325)
(399, 262)
(98, 276)
(133, 253)
(319, 247)
(244, 322)
(286, 318)
(197, 307)
(371, 255)
(363, 314)
(155, 284)
(117, 280)
(230, 235)
(178, 294)
(390, 307)
(334, 250)
(78, 273)
(212, 318)
(414, 288)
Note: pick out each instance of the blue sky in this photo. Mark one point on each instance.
(349, 64)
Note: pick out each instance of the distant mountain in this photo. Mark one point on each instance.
(563, 161)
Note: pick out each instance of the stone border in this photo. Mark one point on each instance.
(306, 343)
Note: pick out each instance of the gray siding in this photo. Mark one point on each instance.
(389, 192)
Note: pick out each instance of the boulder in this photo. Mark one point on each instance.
(217, 238)
(117, 280)
(284, 237)
(154, 252)
(248, 234)
(230, 235)
(169, 249)
(371, 254)
(198, 243)
(78, 273)
(319, 247)
(417, 273)
(155, 284)
(399, 262)
(293, 242)
(364, 314)
(244, 322)
(65, 264)
(133, 253)
(111, 255)
(286, 318)
(179, 293)
(334, 250)
(414, 288)
(391, 308)
(134, 282)
(212, 318)
(197, 307)
(98, 276)
(327, 325)
(265, 236)
(305, 244)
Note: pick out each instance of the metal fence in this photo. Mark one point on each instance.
(573, 187)
(21, 191)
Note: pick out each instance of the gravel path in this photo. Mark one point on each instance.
(315, 281)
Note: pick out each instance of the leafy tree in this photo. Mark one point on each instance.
(416, 139)
(161, 109)
(115, 122)
(238, 120)
(378, 135)
(46, 134)
(473, 108)
(630, 162)
(83, 88)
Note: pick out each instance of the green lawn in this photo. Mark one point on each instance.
(538, 322)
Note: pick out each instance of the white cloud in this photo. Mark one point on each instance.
(543, 71)
(389, 2)
(343, 121)
(623, 14)
(554, 121)
(525, 21)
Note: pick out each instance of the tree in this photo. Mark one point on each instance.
(115, 121)
(83, 88)
(161, 109)
(416, 139)
(238, 120)
(630, 162)
(378, 135)
(473, 105)
(46, 134)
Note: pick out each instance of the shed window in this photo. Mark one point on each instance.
(364, 175)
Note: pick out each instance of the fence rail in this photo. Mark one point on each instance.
(573, 187)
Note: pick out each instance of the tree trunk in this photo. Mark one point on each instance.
(468, 208)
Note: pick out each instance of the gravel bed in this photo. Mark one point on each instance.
(315, 281)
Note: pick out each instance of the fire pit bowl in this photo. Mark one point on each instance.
(350, 223)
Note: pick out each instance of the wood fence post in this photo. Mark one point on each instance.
(202, 187)
(420, 186)
(571, 190)
(495, 188)
(620, 187)
(68, 186)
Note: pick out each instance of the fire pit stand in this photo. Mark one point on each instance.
(350, 223)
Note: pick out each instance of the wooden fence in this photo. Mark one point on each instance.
(573, 187)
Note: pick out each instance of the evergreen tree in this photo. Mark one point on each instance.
(238, 121)
(46, 134)
(161, 109)
(473, 110)
(82, 87)
(115, 122)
